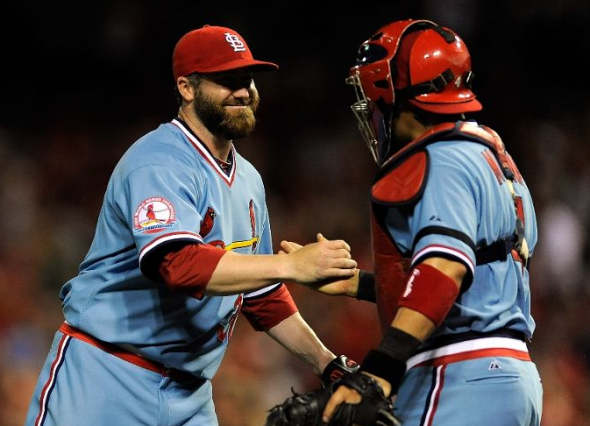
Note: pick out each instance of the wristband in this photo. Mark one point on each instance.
(389, 360)
(430, 292)
(382, 365)
(366, 287)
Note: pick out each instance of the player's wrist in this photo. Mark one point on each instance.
(388, 361)
(352, 284)
(286, 268)
(365, 289)
(336, 368)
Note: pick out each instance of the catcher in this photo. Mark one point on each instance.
(453, 232)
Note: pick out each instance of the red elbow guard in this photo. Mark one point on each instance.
(429, 292)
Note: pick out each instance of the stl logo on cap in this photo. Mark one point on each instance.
(235, 42)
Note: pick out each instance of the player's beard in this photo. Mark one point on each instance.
(228, 124)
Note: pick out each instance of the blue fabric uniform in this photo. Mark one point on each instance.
(166, 190)
(476, 366)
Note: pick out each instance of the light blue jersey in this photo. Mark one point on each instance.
(455, 193)
(462, 207)
(167, 190)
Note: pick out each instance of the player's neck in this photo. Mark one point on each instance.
(219, 147)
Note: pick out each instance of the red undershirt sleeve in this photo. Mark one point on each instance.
(190, 268)
(266, 311)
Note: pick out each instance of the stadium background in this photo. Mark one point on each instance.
(80, 81)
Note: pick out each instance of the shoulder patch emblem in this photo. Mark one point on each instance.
(153, 215)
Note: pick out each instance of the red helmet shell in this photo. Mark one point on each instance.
(421, 58)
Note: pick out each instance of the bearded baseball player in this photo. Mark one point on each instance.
(454, 230)
(182, 245)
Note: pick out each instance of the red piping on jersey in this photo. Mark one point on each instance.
(167, 237)
(434, 397)
(438, 248)
(471, 349)
(207, 156)
(51, 381)
(482, 353)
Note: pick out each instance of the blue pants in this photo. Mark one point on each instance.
(491, 391)
(81, 384)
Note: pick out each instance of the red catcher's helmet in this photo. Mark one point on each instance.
(414, 60)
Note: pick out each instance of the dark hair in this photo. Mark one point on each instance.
(429, 119)
(193, 80)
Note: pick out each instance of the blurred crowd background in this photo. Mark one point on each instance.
(80, 81)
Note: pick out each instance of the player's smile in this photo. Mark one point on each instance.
(236, 107)
(234, 116)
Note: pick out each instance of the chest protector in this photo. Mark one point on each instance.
(400, 183)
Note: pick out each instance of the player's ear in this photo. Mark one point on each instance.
(185, 88)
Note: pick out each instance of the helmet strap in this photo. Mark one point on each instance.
(435, 85)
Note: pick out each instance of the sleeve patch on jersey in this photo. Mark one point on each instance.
(404, 183)
(153, 215)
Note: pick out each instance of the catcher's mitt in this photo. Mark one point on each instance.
(300, 409)
(306, 409)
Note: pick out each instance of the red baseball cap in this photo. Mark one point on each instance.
(214, 49)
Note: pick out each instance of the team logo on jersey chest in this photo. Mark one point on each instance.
(153, 215)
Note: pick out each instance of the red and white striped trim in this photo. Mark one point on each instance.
(44, 398)
(434, 397)
(471, 349)
(229, 177)
(263, 290)
(169, 237)
(447, 250)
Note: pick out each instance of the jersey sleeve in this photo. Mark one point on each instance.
(160, 208)
(444, 222)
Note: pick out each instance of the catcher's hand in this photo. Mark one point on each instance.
(300, 409)
(306, 409)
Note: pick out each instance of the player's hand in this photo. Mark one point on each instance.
(333, 286)
(320, 261)
(346, 395)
